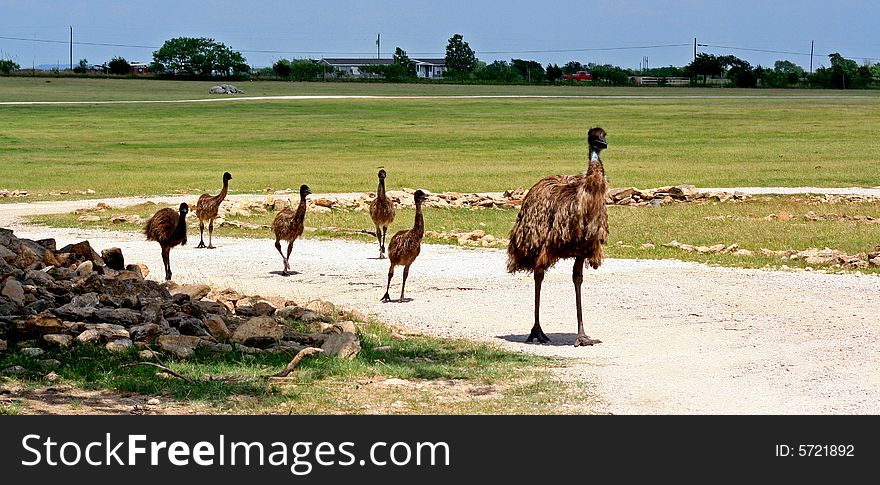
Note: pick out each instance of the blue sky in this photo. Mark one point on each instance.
(619, 32)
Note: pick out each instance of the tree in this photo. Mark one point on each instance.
(531, 71)
(572, 67)
(498, 71)
(8, 66)
(554, 72)
(407, 65)
(460, 58)
(203, 57)
(705, 65)
(119, 66)
(305, 70)
(82, 67)
(608, 74)
(282, 68)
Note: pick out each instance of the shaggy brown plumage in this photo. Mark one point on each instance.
(562, 217)
(289, 225)
(168, 228)
(382, 213)
(405, 246)
(207, 210)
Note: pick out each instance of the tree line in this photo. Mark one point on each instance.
(189, 57)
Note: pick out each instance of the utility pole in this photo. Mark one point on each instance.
(811, 55)
(378, 46)
(695, 48)
(71, 47)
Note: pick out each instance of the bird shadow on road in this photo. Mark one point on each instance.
(556, 339)
(289, 273)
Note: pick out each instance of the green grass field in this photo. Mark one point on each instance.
(438, 144)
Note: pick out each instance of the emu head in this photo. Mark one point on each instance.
(382, 174)
(184, 208)
(419, 196)
(596, 139)
(227, 176)
(304, 190)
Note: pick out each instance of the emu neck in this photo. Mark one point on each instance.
(595, 161)
(225, 190)
(180, 230)
(380, 192)
(301, 208)
(419, 225)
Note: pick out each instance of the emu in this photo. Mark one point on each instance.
(405, 247)
(168, 228)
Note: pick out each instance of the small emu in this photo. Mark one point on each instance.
(382, 213)
(207, 210)
(168, 228)
(405, 247)
(563, 216)
(289, 225)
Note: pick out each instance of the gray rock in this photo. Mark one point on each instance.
(32, 351)
(49, 363)
(215, 347)
(83, 252)
(343, 345)
(119, 345)
(193, 326)
(258, 330)
(58, 339)
(321, 307)
(113, 258)
(145, 332)
(39, 324)
(40, 278)
(182, 346)
(14, 291)
(3, 345)
(109, 331)
(347, 326)
(14, 370)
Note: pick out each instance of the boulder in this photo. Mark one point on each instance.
(217, 327)
(195, 292)
(113, 258)
(119, 345)
(83, 252)
(342, 345)
(14, 291)
(39, 324)
(182, 346)
(58, 339)
(258, 330)
(321, 307)
(32, 351)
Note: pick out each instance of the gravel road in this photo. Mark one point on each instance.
(678, 338)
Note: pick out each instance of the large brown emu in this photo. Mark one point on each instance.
(289, 225)
(562, 217)
(382, 213)
(405, 246)
(168, 228)
(207, 210)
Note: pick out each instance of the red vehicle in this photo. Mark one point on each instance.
(579, 76)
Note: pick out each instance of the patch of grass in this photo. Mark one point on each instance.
(426, 368)
(700, 224)
(438, 144)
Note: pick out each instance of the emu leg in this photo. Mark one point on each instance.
(380, 241)
(278, 247)
(537, 333)
(387, 298)
(382, 244)
(165, 259)
(403, 285)
(287, 259)
(201, 235)
(211, 234)
(577, 276)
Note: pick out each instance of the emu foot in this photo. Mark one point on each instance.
(538, 334)
(168, 276)
(201, 245)
(211, 247)
(386, 298)
(583, 340)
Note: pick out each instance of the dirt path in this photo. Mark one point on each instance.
(678, 337)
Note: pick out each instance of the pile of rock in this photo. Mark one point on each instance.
(812, 216)
(667, 195)
(225, 89)
(830, 257)
(714, 249)
(841, 199)
(13, 193)
(73, 296)
(469, 238)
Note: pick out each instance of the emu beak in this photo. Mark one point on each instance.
(600, 143)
